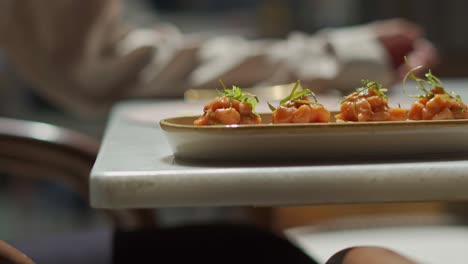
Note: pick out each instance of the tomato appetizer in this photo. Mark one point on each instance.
(297, 108)
(369, 103)
(232, 107)
(435, 103)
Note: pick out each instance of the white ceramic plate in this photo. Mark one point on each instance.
(315, 142)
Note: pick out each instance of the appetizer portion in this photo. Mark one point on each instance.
(231, 107)
(369, 103)
(297, 108)
(435, 103)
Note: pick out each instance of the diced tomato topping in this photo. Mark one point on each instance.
(227, 111)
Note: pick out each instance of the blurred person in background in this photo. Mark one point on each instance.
(80, 55)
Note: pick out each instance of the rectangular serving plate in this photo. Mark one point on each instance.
(334, 141)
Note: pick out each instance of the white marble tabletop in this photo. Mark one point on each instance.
(135, 169)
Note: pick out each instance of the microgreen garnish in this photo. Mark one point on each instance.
(296, 96)
(237, 94)
(431, 80)
(365, 89)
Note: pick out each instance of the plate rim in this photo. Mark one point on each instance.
(168, 124)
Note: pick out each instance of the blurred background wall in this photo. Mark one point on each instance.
(445, 22)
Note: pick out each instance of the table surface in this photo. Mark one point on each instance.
(135, 169)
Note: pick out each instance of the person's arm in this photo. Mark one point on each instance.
(79, 55)
(67, 50)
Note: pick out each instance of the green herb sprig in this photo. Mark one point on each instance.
(296, 95)
(237, 94)
(364, 90)
(430, 80)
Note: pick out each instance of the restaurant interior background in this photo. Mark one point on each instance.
(28, 208)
